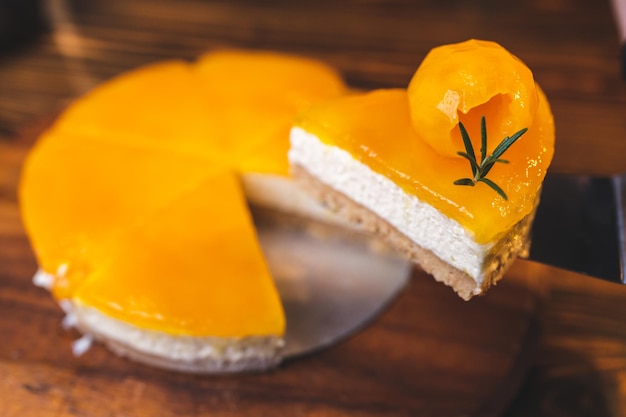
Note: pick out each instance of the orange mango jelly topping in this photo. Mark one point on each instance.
(412, 136)
(132, 199)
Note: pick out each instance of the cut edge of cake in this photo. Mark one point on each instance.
(379, 206)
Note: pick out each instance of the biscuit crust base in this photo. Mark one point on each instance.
(513, 244)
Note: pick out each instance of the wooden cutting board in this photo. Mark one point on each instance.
(429, 354)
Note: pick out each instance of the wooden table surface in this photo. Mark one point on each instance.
(579, 366)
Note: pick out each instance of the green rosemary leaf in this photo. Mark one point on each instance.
(506, 143)
(483, 139)
(480, 170)
(464, 181)
(494, 186)
(485, 168)
(467, 142)
(471, 160)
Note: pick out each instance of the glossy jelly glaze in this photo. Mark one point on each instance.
(133, 202)
(412, 136)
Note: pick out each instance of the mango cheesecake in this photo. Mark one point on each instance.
(136, 205)
(449, 170)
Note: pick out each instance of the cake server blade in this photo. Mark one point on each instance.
(332, 282)
(579, 225)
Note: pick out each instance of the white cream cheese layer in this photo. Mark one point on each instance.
(186, 353)
(197, 354)
(419, 221)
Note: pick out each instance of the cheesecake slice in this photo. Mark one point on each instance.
(396, 162)
(136, 205)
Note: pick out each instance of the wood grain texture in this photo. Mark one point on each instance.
(572, 46)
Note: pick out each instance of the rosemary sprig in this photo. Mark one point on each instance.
(480, 170)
